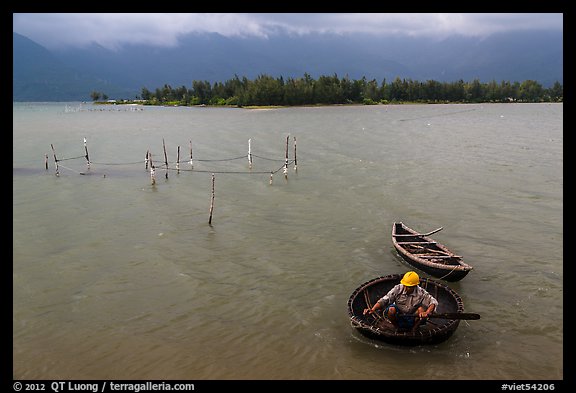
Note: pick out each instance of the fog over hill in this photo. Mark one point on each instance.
(72, 73)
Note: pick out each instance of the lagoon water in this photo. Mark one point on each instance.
(118, 278)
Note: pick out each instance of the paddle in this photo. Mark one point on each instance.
(450, 315)
(420, 234)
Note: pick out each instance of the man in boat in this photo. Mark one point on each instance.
(406, 305)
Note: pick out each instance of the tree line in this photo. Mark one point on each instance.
(266, 90)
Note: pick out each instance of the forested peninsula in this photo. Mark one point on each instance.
(266, 90)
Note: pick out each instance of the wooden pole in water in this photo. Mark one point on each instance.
(295, 162)
(146, 159)
(211, 202)
(46, 160)
(286, 161)
(87, 158)
(191, 162)
(55, 160)
(250, 153)
(178, 160)
(152, 170)
(165, 157)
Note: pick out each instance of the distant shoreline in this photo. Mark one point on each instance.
(273, 107)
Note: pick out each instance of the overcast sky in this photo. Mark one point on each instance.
(114, 29)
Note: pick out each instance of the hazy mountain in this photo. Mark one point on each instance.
(40, 74)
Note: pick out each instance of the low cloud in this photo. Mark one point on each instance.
(112, 30)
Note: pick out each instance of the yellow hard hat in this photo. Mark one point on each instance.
(410, 279)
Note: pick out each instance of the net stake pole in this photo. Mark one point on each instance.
(191, 162)
(152, 170)
(55, 160)
(165, 157)
(250, 153)
(286, 161)
(211, 202)
(87, 158)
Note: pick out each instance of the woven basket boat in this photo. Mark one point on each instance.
(378, 327)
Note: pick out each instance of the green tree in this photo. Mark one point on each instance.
(507, 92)
(267, 90)
(202, 90)
(556, 92)
(434, 91)
(473, 91)
(95, 95)
(371, 91)
(530, 91)
(327, 90)
(492, 92)
(146, 94)
(398, 90)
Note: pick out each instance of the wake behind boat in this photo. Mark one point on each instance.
(427, 255)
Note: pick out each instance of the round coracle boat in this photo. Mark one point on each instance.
(436, 329)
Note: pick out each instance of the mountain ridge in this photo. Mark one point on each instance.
(74, 73)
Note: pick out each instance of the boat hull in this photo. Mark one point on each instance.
(446, 266)
(440, 273)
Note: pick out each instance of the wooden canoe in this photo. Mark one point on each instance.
(377, 327)
(427, 255)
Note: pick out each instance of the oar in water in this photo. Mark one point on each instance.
(450, 315)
